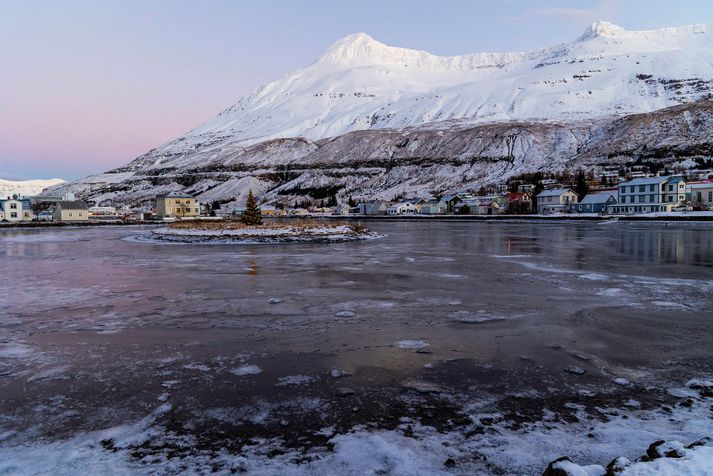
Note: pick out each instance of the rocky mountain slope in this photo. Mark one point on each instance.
(368, 120)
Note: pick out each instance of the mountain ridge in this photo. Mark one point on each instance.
(360, 84)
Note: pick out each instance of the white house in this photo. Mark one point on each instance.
(75, 210)
(702, 194)
(15, 209)
(403, 208)
(556, 200)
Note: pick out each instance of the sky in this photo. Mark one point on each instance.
(86, 86)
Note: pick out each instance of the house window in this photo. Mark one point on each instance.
(13, 206)
(13, 214)
(641, 198)
(710, 196)
(670, 188)
(652, 188)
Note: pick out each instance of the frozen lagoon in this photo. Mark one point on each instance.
(443, 342)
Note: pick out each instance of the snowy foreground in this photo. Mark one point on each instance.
(411, 449)
(265, 234)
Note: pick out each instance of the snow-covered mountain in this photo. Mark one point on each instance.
(26, 188)
(359, 84)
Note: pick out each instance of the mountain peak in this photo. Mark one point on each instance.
(601, 28)
(357, 45)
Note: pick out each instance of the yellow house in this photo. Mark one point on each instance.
(177, 205)
(70, 210)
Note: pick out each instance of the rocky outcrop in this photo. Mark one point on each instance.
(661, 457)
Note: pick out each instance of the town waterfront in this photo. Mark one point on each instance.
(282, 354)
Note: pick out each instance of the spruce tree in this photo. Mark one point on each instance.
(251, 215)
(580, 187)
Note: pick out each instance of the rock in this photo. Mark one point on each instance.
(274, 301)
(556, 469)
(582, 356)
(617, 465)
(345, 391)
(345, 314)
(423, 387)
(668, 449)
(449, 463)
(423, 351)
(575, 370)
(336, 373)
(621, 381)
(707, 441)
(703, 387)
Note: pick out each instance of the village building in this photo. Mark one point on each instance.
(272, 211)
(434, 207)
(488, 207)
(650, 194)
(75, 210)
(402, 208)
(519, 202)
(701, 194)
(177, 205)
(557, 200)
(376, 207)
(598, 202)
(15, 209)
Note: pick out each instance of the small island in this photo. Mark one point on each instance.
(237, 232)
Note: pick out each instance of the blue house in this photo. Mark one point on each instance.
(596, 202)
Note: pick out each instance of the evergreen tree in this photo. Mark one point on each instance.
(580, 185)
(251, 215)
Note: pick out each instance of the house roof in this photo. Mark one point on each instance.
(700, 184)
(645, 181)
(594, 198)
(514, 196)
(555, 192)
(72, 205)
(176, 195)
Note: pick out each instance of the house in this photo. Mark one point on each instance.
(597, 202)
(418, 202)
(342, 209)
(75, 210)
(449, 201)
(701, 194)
(402, 208)
(525, 188)
(519, 202)
(376, 207)
(556, 200)
(177, 205)
(674, 191)
(650, 194)
(488, 207)
(464, 208)
(15, 209)
(272, 211)
(434, 207)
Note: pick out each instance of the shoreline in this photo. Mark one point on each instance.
(455, 218)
